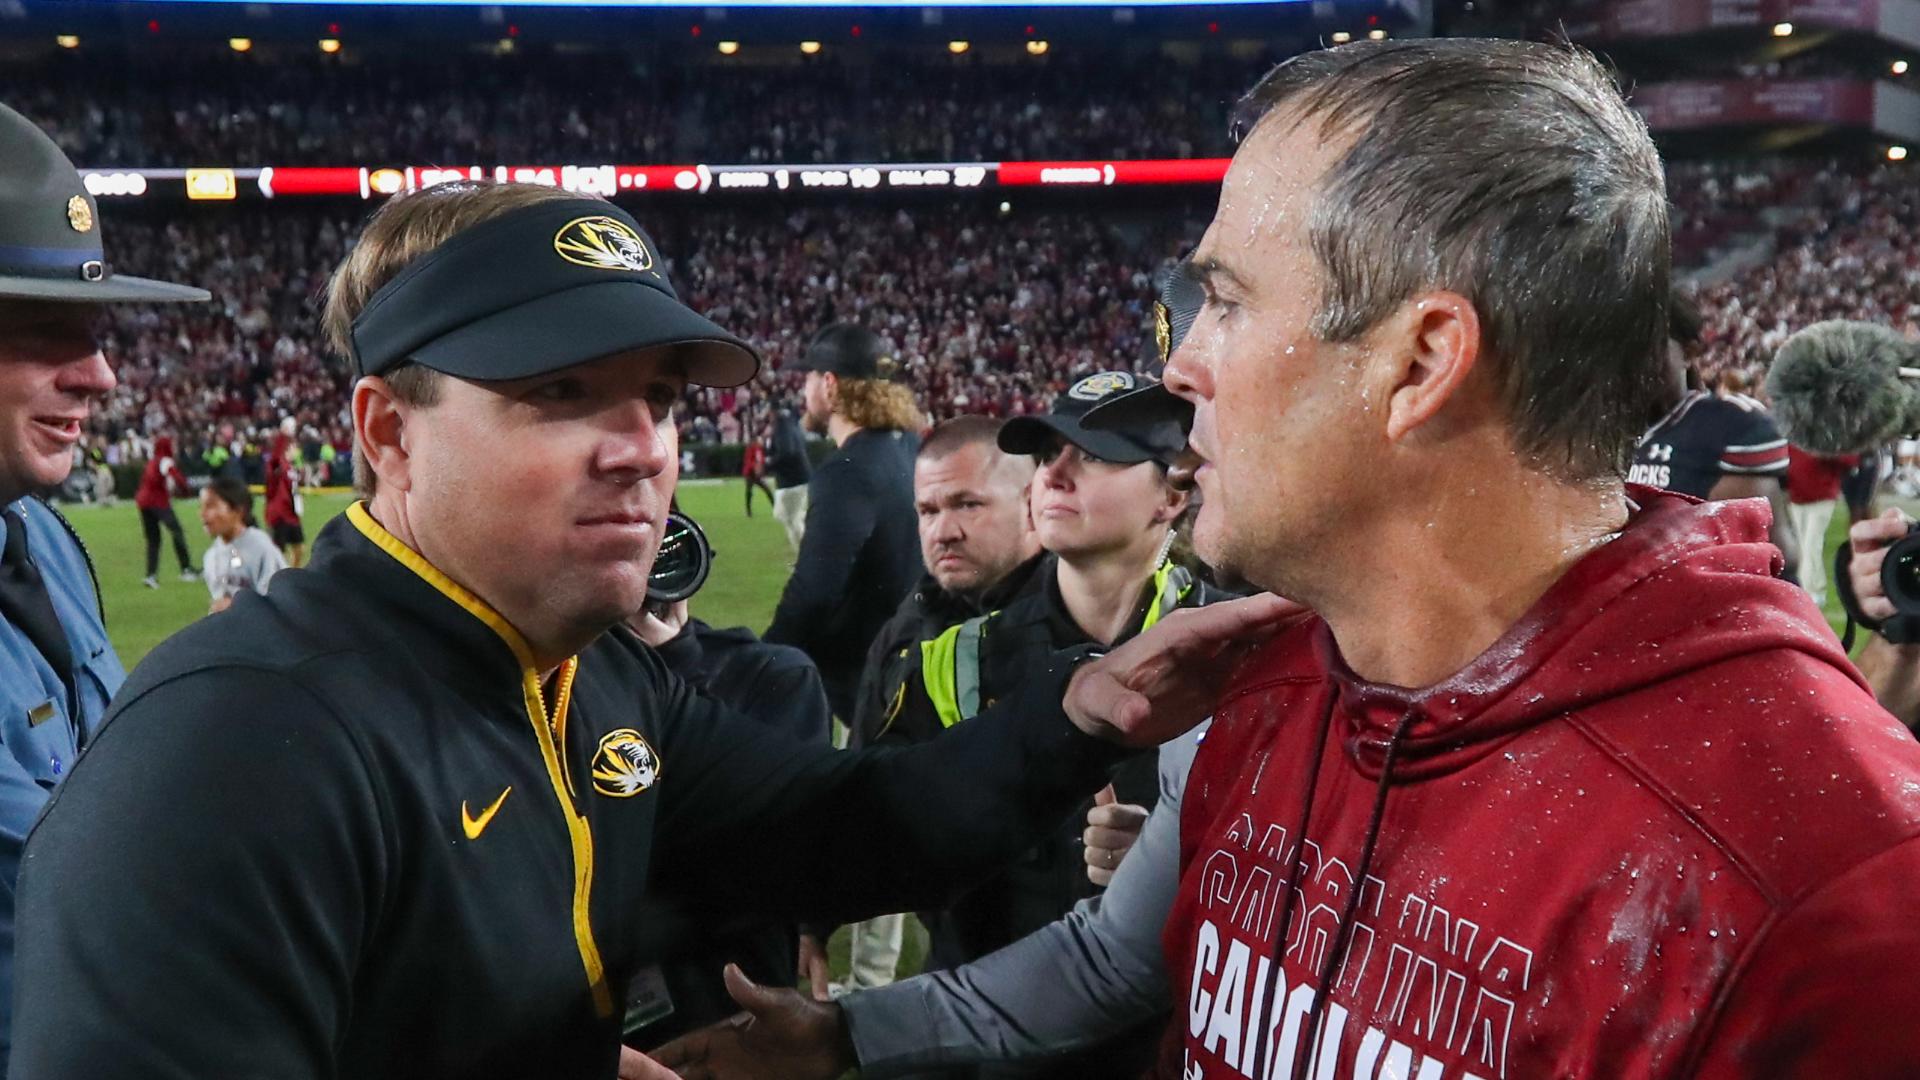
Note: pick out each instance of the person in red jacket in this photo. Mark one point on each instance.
(753, 468)
(1813, 488)
(160, 483)
(283, 496)
(1561, 780)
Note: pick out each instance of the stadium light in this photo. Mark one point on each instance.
(1341, 37)
(67, 41)
(1036, 48)
(329, 45)
(240, 44)
(958, 47)
(504, 47)
(810, 47)
(728, 48)
(1899, 67)
(1377, 35)
(1896, 153)
(1784, 29)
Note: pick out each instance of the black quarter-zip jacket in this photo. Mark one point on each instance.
(344, 830)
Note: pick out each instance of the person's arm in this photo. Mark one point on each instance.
(199, 890)
(840, 518)
(1082, 979)
(830, 836)
(1826, 988)
(825, 835)
(1088, 976)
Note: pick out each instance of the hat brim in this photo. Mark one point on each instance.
(1141, 409)
(117, 289)
(1032, 434)
(590, 322)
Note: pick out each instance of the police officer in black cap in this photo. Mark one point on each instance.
(57, 669)
(860, 554)
(422, 808)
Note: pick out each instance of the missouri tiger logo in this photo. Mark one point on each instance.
(1162, 332)
(624, 765)
(602, 243)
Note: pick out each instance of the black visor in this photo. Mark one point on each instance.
(540, 289)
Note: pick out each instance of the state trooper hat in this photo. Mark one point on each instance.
(50, 229)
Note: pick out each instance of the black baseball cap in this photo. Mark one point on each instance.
(850, 351)
(538, 289)
(50, 229)
(1151, 403)
(1128, 445)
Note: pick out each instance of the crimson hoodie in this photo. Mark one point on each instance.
(160, 479)
(1659, 829)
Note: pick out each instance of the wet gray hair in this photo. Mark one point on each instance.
(1514, 174)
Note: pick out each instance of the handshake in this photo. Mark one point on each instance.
(783, 1033)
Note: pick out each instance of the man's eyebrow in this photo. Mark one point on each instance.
(1210, 271)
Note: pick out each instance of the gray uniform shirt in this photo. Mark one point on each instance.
(246, 563)
(1086, 977)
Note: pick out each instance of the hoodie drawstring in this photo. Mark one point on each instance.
(1343, 931)
(1293, 878)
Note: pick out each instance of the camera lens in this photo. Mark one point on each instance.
(1900, 575)
(682, 565)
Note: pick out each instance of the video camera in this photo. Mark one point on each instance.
(682, 565)
(1899, 577)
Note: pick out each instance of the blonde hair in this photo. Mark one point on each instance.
(400, 232)
(877, 404)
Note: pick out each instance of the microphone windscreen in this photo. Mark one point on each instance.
(1836, 386)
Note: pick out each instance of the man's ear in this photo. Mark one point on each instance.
(1434, 342)
(1173, 503)
(379, 433)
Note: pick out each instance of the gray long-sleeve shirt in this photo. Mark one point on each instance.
(1086, 977)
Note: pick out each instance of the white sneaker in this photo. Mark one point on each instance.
(150, 582)
(189, 575)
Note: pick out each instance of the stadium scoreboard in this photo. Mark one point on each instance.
(381, 181)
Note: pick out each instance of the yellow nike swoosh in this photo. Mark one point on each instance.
(475, 826)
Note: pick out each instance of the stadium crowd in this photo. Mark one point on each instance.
(310, 109)
(991, 312)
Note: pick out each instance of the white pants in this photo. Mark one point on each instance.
(790, 510)
(1810, 529)
(873, 951)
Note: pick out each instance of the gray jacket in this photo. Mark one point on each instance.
(1085, 978)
